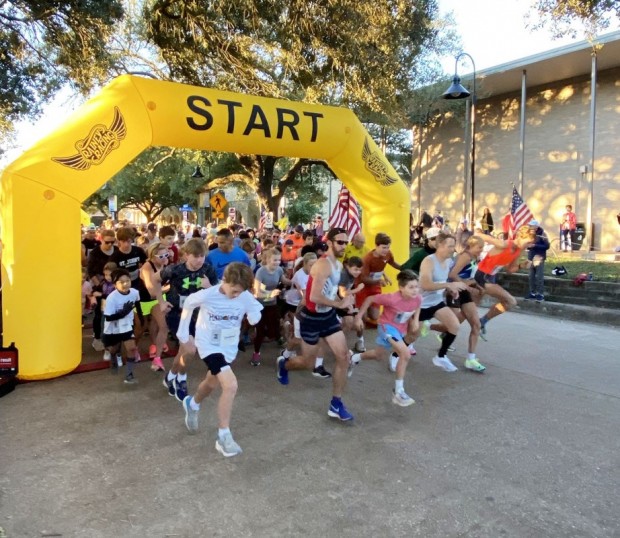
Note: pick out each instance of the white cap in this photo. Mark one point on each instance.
(433, 232)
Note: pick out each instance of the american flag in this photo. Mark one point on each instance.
(261, 220)
(519, 212)
(346, 213)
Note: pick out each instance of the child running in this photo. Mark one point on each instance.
(401, 313)
(266, 289)
(118, 316)
(222, 308)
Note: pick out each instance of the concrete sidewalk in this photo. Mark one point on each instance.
(531, 448)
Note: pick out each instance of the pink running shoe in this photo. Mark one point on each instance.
(152, 351)
(255, 360)
(157, 365)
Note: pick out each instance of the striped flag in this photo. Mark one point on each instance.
(519, 212)
(346, 213)
(262, 219)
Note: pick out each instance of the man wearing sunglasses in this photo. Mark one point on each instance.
(318, 319)
(98, 257)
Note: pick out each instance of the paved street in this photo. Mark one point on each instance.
(530, 449)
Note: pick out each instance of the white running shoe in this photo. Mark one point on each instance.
(393, 361)
(444, 363)
(402, 398)
(107, 356)
(227, 446)
(412, 350)
(354, 360)
(359, 347)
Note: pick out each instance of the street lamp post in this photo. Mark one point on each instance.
(457, 91)
(201, 210)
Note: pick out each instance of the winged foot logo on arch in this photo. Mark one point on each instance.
(97, 145)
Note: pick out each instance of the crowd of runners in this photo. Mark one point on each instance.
(216, 292)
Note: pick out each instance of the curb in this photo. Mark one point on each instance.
(571, 312)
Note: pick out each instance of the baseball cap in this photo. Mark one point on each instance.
(433, 232)
(533, 222)
(91, 228)
(299, 228)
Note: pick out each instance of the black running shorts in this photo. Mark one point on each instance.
(216, 362)
(316, 325)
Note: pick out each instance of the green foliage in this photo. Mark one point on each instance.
(301, 211)
(309, 51)
(559, 16)
(157, 179)
(44, 44)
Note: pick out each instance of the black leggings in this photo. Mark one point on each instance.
(98, 319)
(269, 325)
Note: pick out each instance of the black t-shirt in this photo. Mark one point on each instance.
(90, 244)
(96, 261)
(131, 262)
(184, 282)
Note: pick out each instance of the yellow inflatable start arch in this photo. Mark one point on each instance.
(44, 188)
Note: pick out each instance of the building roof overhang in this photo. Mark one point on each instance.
(544, 68)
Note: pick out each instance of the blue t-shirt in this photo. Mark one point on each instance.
(220, 259)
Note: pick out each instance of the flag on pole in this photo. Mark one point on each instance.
(262, 219)
(519, 212)
(346, 213)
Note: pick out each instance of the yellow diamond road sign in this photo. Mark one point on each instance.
(218, 215)
(218, 201)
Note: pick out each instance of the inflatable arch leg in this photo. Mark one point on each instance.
(44, 188)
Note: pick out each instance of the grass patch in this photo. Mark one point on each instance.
(601, 270)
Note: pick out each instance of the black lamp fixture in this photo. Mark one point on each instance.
(198, 173)
(458, 91)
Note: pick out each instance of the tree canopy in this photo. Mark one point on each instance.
(559, 16)
(45, 44)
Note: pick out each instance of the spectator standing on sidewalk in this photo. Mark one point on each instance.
(486, 221)
(537, 254)
(567, 227)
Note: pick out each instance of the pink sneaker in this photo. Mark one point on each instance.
(255, 360)
(157, 365)
(152, 351)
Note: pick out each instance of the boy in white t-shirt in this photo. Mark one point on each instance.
(401, 313)
(118, 322)
(222, 309)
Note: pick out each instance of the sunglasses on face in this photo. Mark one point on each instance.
(109, 242)
(161, 256)
(341, 242)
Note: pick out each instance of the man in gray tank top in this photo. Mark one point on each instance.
(434, 272)
(318, 319)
